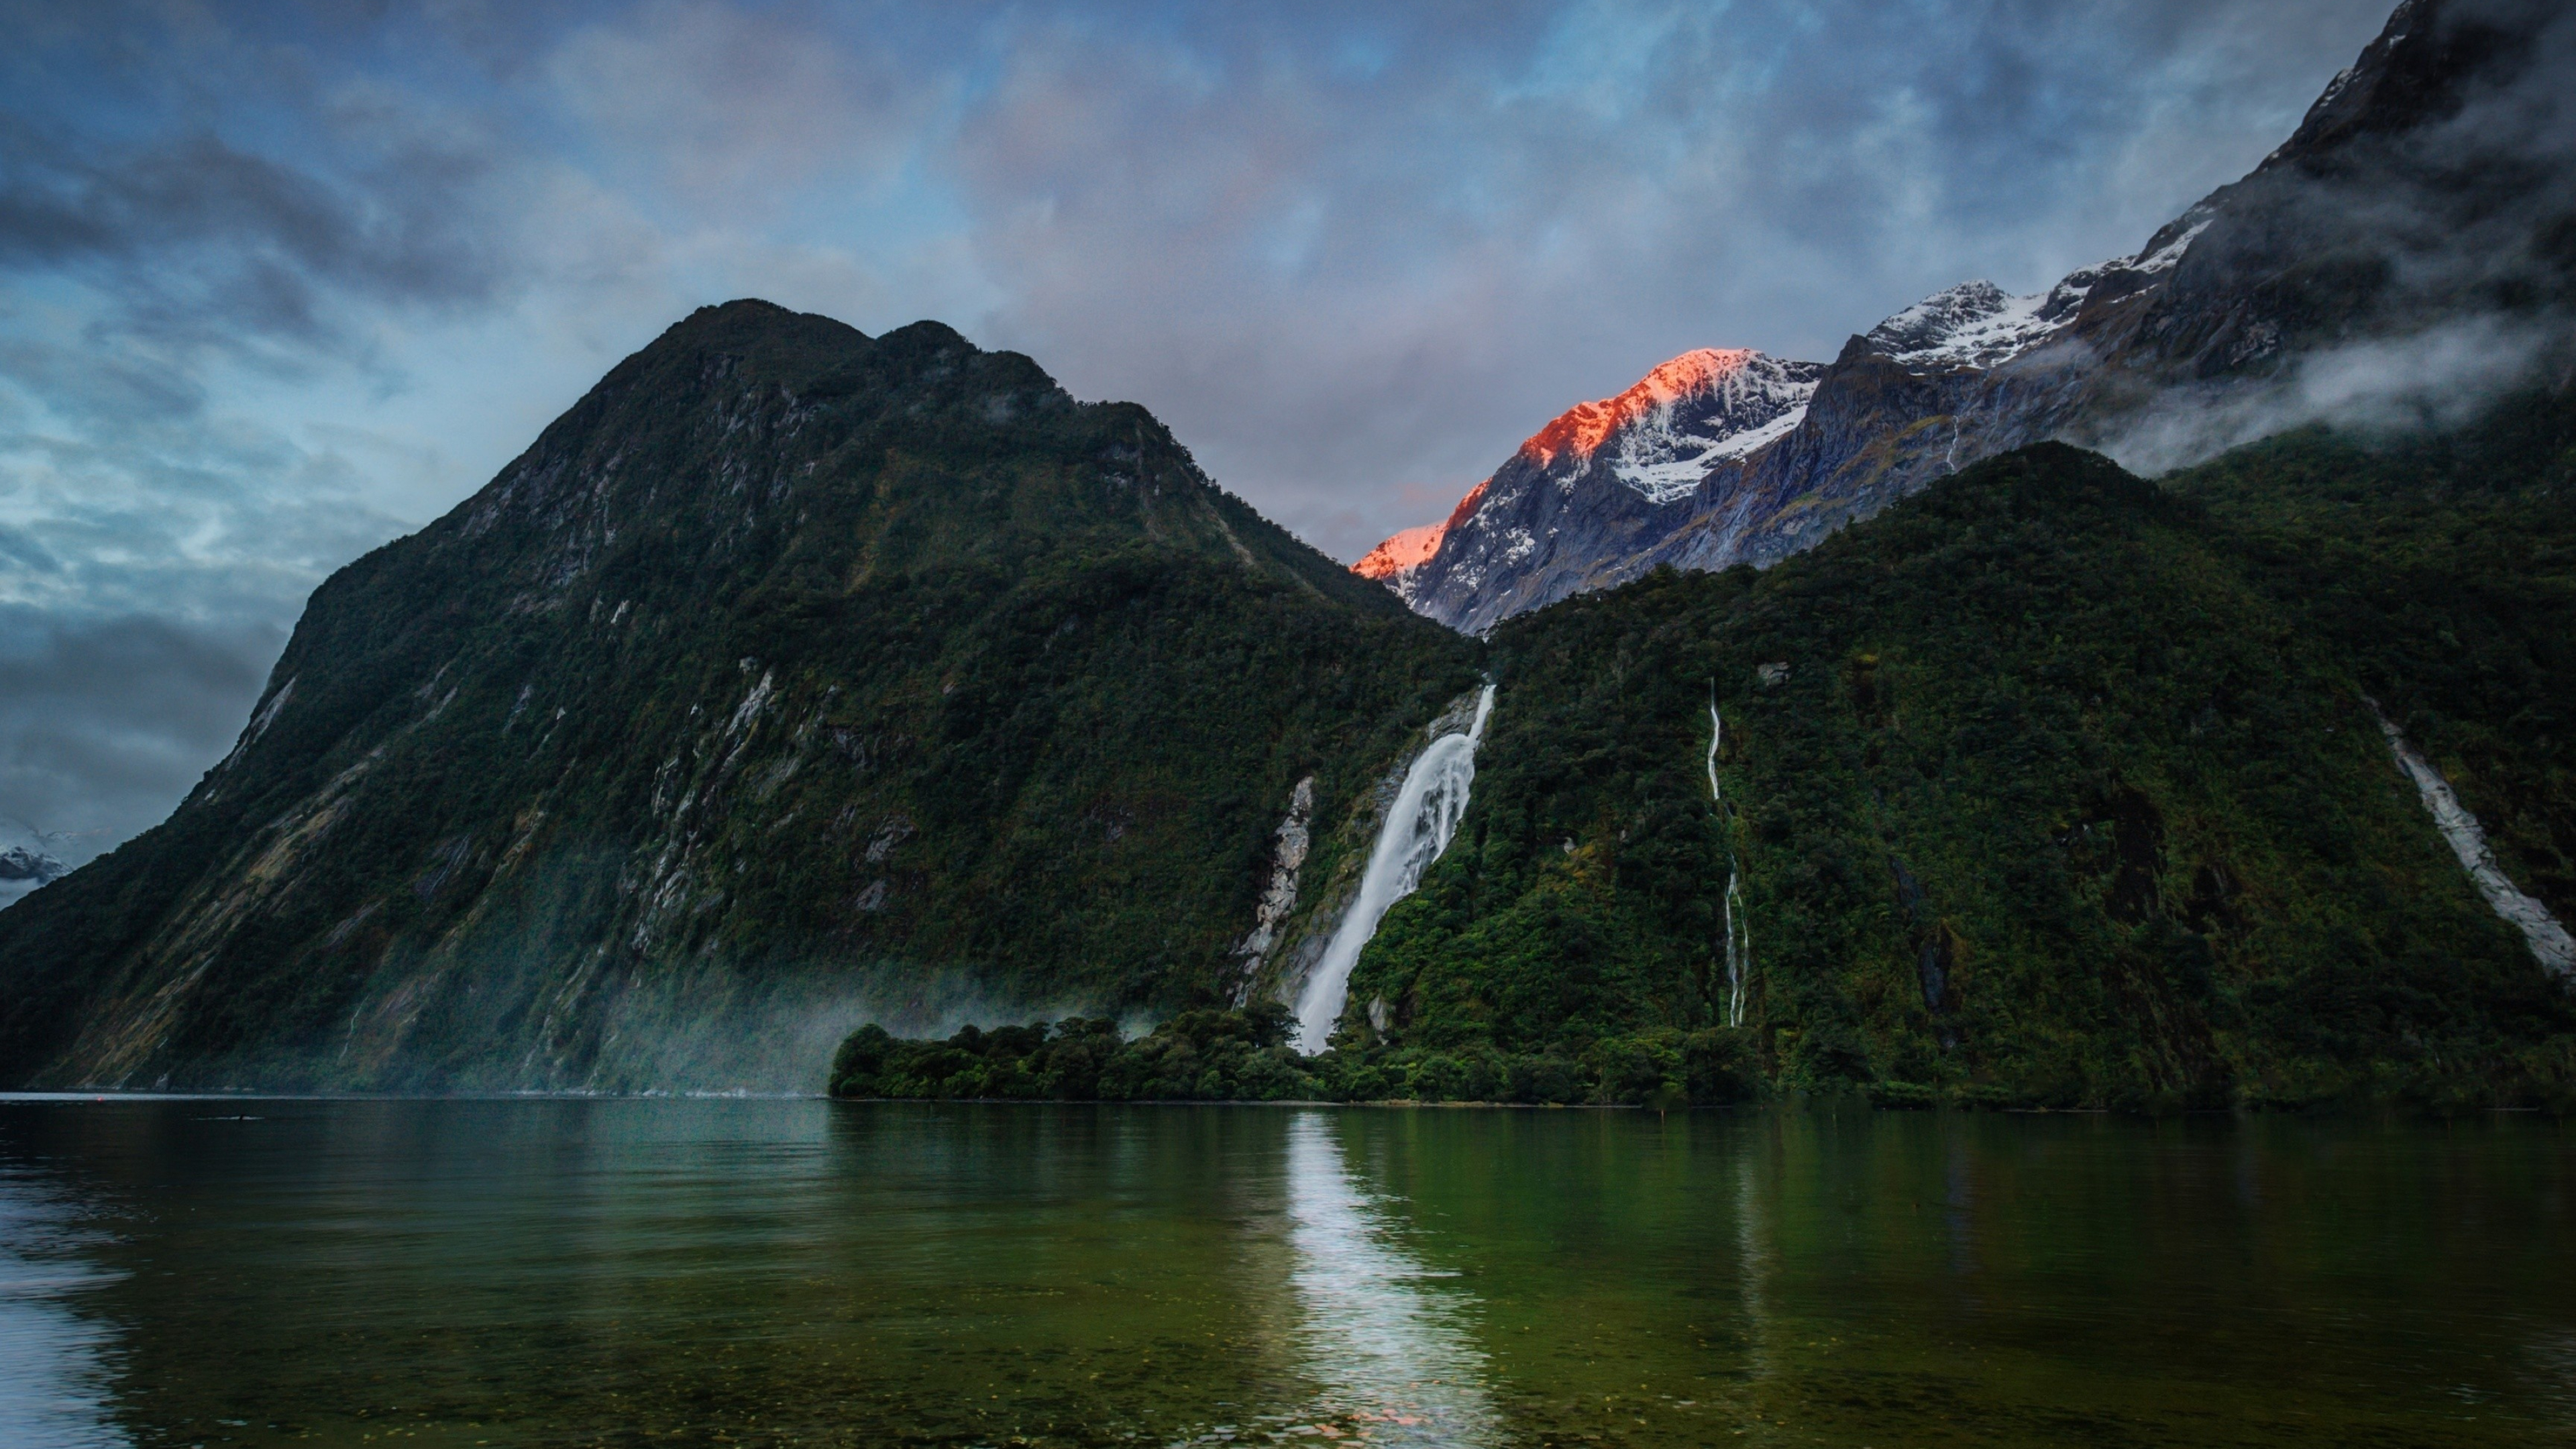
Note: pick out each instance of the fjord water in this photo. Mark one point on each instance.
(758, 1272)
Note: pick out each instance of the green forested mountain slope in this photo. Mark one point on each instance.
(795, 679)
(792, 676)
(2064, 791)
(2442, 568)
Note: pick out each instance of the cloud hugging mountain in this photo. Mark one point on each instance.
(2406, 255)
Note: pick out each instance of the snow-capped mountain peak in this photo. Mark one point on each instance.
(1689, 414)
(27, 860)
(1659, 442)
(1401, 550)
(1980, 325)
(21, 863)
(1580, 430)
(1977, 324)
(1706, 396)
(1398, 561)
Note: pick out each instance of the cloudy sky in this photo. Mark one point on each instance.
(279, 282)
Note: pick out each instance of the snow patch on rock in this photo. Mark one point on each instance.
(27, 861)
(1736, 401)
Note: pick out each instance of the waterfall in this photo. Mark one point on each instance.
(2550, 944)
(1716, 733)
(1739, 950)
(1739, 937)
(1417, 829)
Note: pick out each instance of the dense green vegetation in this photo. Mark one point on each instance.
(2067, 794)
(2049, 786)
(1243, 1056)
(2441, 568)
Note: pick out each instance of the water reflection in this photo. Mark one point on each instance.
(1395, 1355)
(1753, 1260)
(52, 1379)
(468, 1273)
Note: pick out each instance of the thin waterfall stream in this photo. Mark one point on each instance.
(1739, 938)
(2550, 943)
(1418, 827)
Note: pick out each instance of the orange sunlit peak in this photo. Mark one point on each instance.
(1583, 428)
(1415, 546)
(1402, 551)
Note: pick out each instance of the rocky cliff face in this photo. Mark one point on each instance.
(2407, 253)
(792, 676)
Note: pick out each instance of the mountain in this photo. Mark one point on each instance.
(792, 676)
(796, 680)
(2407, 255)
(1596, 483)
(2046, 785)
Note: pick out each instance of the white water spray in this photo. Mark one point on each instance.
(1418, 827)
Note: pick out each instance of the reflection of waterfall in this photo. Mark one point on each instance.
(1739, 933)
(1753, 1250)
(1417, 829)
(1395, 1359)
(50, 1375)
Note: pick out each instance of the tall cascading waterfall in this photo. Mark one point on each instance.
(1418, 827)
(1739, 937)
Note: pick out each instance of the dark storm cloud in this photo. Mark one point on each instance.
(104, 723)
(206, 242)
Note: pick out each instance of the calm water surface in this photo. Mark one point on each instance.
(731, 1272)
